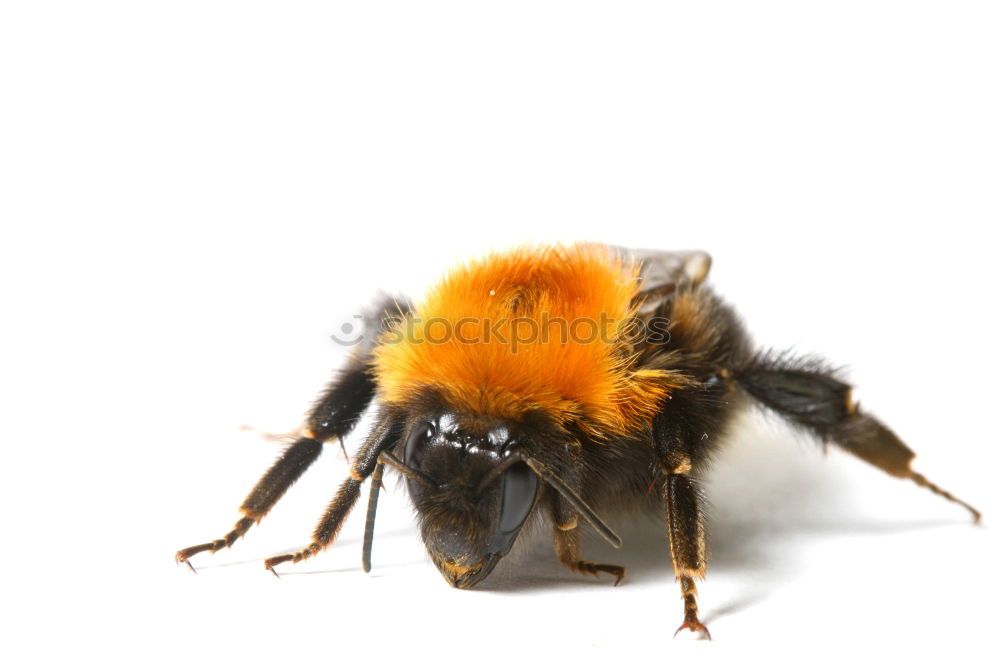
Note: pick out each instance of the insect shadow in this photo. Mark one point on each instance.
(772, 492)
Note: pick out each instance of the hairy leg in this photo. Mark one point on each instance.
(385, 435)
(333, 416)
(810, 395)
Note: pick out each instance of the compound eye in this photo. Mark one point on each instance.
(519, 487)
(416, 443)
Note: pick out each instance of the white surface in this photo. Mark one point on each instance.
(196, 194)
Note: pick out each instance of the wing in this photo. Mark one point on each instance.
(662, 271)
(661, 268)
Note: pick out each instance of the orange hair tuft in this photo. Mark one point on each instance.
(541, 328)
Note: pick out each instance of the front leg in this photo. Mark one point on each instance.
(567, 541)
(384, 436)
(566, 525)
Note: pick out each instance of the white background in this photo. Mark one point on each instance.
(194, 195)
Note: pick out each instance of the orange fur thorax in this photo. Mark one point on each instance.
(532, 329)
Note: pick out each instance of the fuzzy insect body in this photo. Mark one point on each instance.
(567, 381)
(550, 330)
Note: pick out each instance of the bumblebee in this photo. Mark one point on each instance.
(562, 382)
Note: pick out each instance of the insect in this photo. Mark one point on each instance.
(559, 382)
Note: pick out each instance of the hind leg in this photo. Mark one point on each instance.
(869, 439)
(808, 394)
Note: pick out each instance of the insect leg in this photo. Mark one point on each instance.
(678, 428)
(567, 542)
(333, 417)
(288, 468)
(809, 395)
(687, 543)
(385, 435)
(566, 534)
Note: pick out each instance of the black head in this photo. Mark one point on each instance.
(471, 490)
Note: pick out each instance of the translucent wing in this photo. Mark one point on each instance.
(662, 271)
